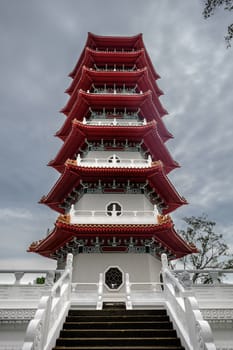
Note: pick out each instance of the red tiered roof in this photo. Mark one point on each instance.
(85, 100)
(81, 132)
(97, 42)
(163, 234)
(92, 57)
(131, 52)
(73, 174)
(139, 77)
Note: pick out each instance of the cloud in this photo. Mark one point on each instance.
(12, 214)
(40, 44)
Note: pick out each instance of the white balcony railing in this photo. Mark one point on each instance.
(115, 68)
(114, 122)
(112, 217)
(114, 162)
(114, 49)
(125, 91)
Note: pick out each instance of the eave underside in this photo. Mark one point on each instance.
(95, 41)
(154, 175)
(147, 134)
(63, 234)
(97, 101)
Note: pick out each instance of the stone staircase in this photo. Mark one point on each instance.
(114, 327)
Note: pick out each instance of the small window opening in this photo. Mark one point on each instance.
(114, 209)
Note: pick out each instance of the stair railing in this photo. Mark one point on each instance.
(44, 328)
(194, 332)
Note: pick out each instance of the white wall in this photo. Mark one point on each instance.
(223, 336)
(140, 267)
(100, 201)
(12, 335)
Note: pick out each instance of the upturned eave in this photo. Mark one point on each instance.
(164, 235)
(85, 100)
(154, 175)
(81, 132)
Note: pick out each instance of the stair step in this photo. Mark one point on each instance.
(167, 347)
(130, 341)
(106, 312)
(110, 305)
(119, 325)
(113, 333)
(117, 318)
(115, 328)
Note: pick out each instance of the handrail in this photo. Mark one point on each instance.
(216, 277)
(131, 213)
(44, 328)
(183, 310)
(114, 122)
(206, 270)
(113, 162)
(20, 274)
(113, 216)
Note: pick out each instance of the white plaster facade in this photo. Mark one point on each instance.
(131, 202)
(140, 267)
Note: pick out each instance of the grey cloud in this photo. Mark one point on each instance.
(41, 42)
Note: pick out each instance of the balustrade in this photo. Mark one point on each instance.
(184, 312)
(113, 216)
(28, 277)
(114, 49)
(125, 114)
(114, 161)
(115, 68)
(44, 328)
(125, 91)
(114, 89)
(114, 122)
(215, 277)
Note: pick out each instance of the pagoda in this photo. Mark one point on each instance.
(113, 194)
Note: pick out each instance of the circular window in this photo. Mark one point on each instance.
(113, 278)
(114, 159)
(114, 209)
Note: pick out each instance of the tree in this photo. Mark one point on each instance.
(213, 251)
(209, 9)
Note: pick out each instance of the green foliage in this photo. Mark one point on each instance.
(210, 7)
(40, 280)
(213, 251)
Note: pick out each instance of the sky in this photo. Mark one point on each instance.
(40, 42)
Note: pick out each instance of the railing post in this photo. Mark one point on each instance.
(78, 159)
(100, 292)
(46, 327)
(69, 267)
(149, 160)
(49, 279)
(128, 292)
(18, 276)
(164, 262)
